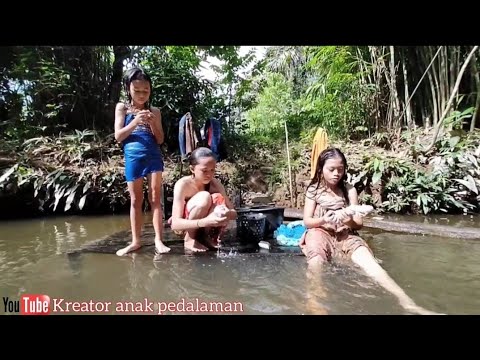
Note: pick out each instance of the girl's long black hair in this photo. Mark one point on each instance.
(318, 180)
(199, 153)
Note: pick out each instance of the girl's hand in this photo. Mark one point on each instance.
(221, 210)
(329, 217)
(342, 216)
(147, 117)
(140, 118)
(213, 220)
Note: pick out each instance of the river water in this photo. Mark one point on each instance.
(440, 274)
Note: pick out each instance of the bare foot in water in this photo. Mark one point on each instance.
(421, 311)
(314, 307)
(212, 238)
(212, 243)
(160, 247)
(194, 245)
(127, 249)
(415, 309)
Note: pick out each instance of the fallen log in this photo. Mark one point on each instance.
(406, 226)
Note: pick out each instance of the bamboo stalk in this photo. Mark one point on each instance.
(452, 96)
(436, 86)
(432, 90)
(442, 80)
(393, 89)
(477, 83)
(425, 73)
(289, 165)
(407, 110)
(377, 80)
(383, 67)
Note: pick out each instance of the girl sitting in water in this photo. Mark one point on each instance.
(331, 225)
(201, 207)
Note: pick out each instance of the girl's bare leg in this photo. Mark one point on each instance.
(315, 246)
(315, 290)
(364, 258)
(135, 188)
(155, 199)
(198, 207)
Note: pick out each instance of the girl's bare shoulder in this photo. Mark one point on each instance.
(121, 107)
(314, 189)
(183, 182)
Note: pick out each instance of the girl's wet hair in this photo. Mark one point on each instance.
(199, 153)
(318, 180)
(132, 74)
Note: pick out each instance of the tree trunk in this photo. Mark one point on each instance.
(115, 87)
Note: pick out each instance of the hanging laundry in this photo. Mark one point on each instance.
(212, 132)
(187, 136)
(320, 143)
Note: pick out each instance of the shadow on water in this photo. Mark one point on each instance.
(57, 256)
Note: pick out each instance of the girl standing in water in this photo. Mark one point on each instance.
(138, 126)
